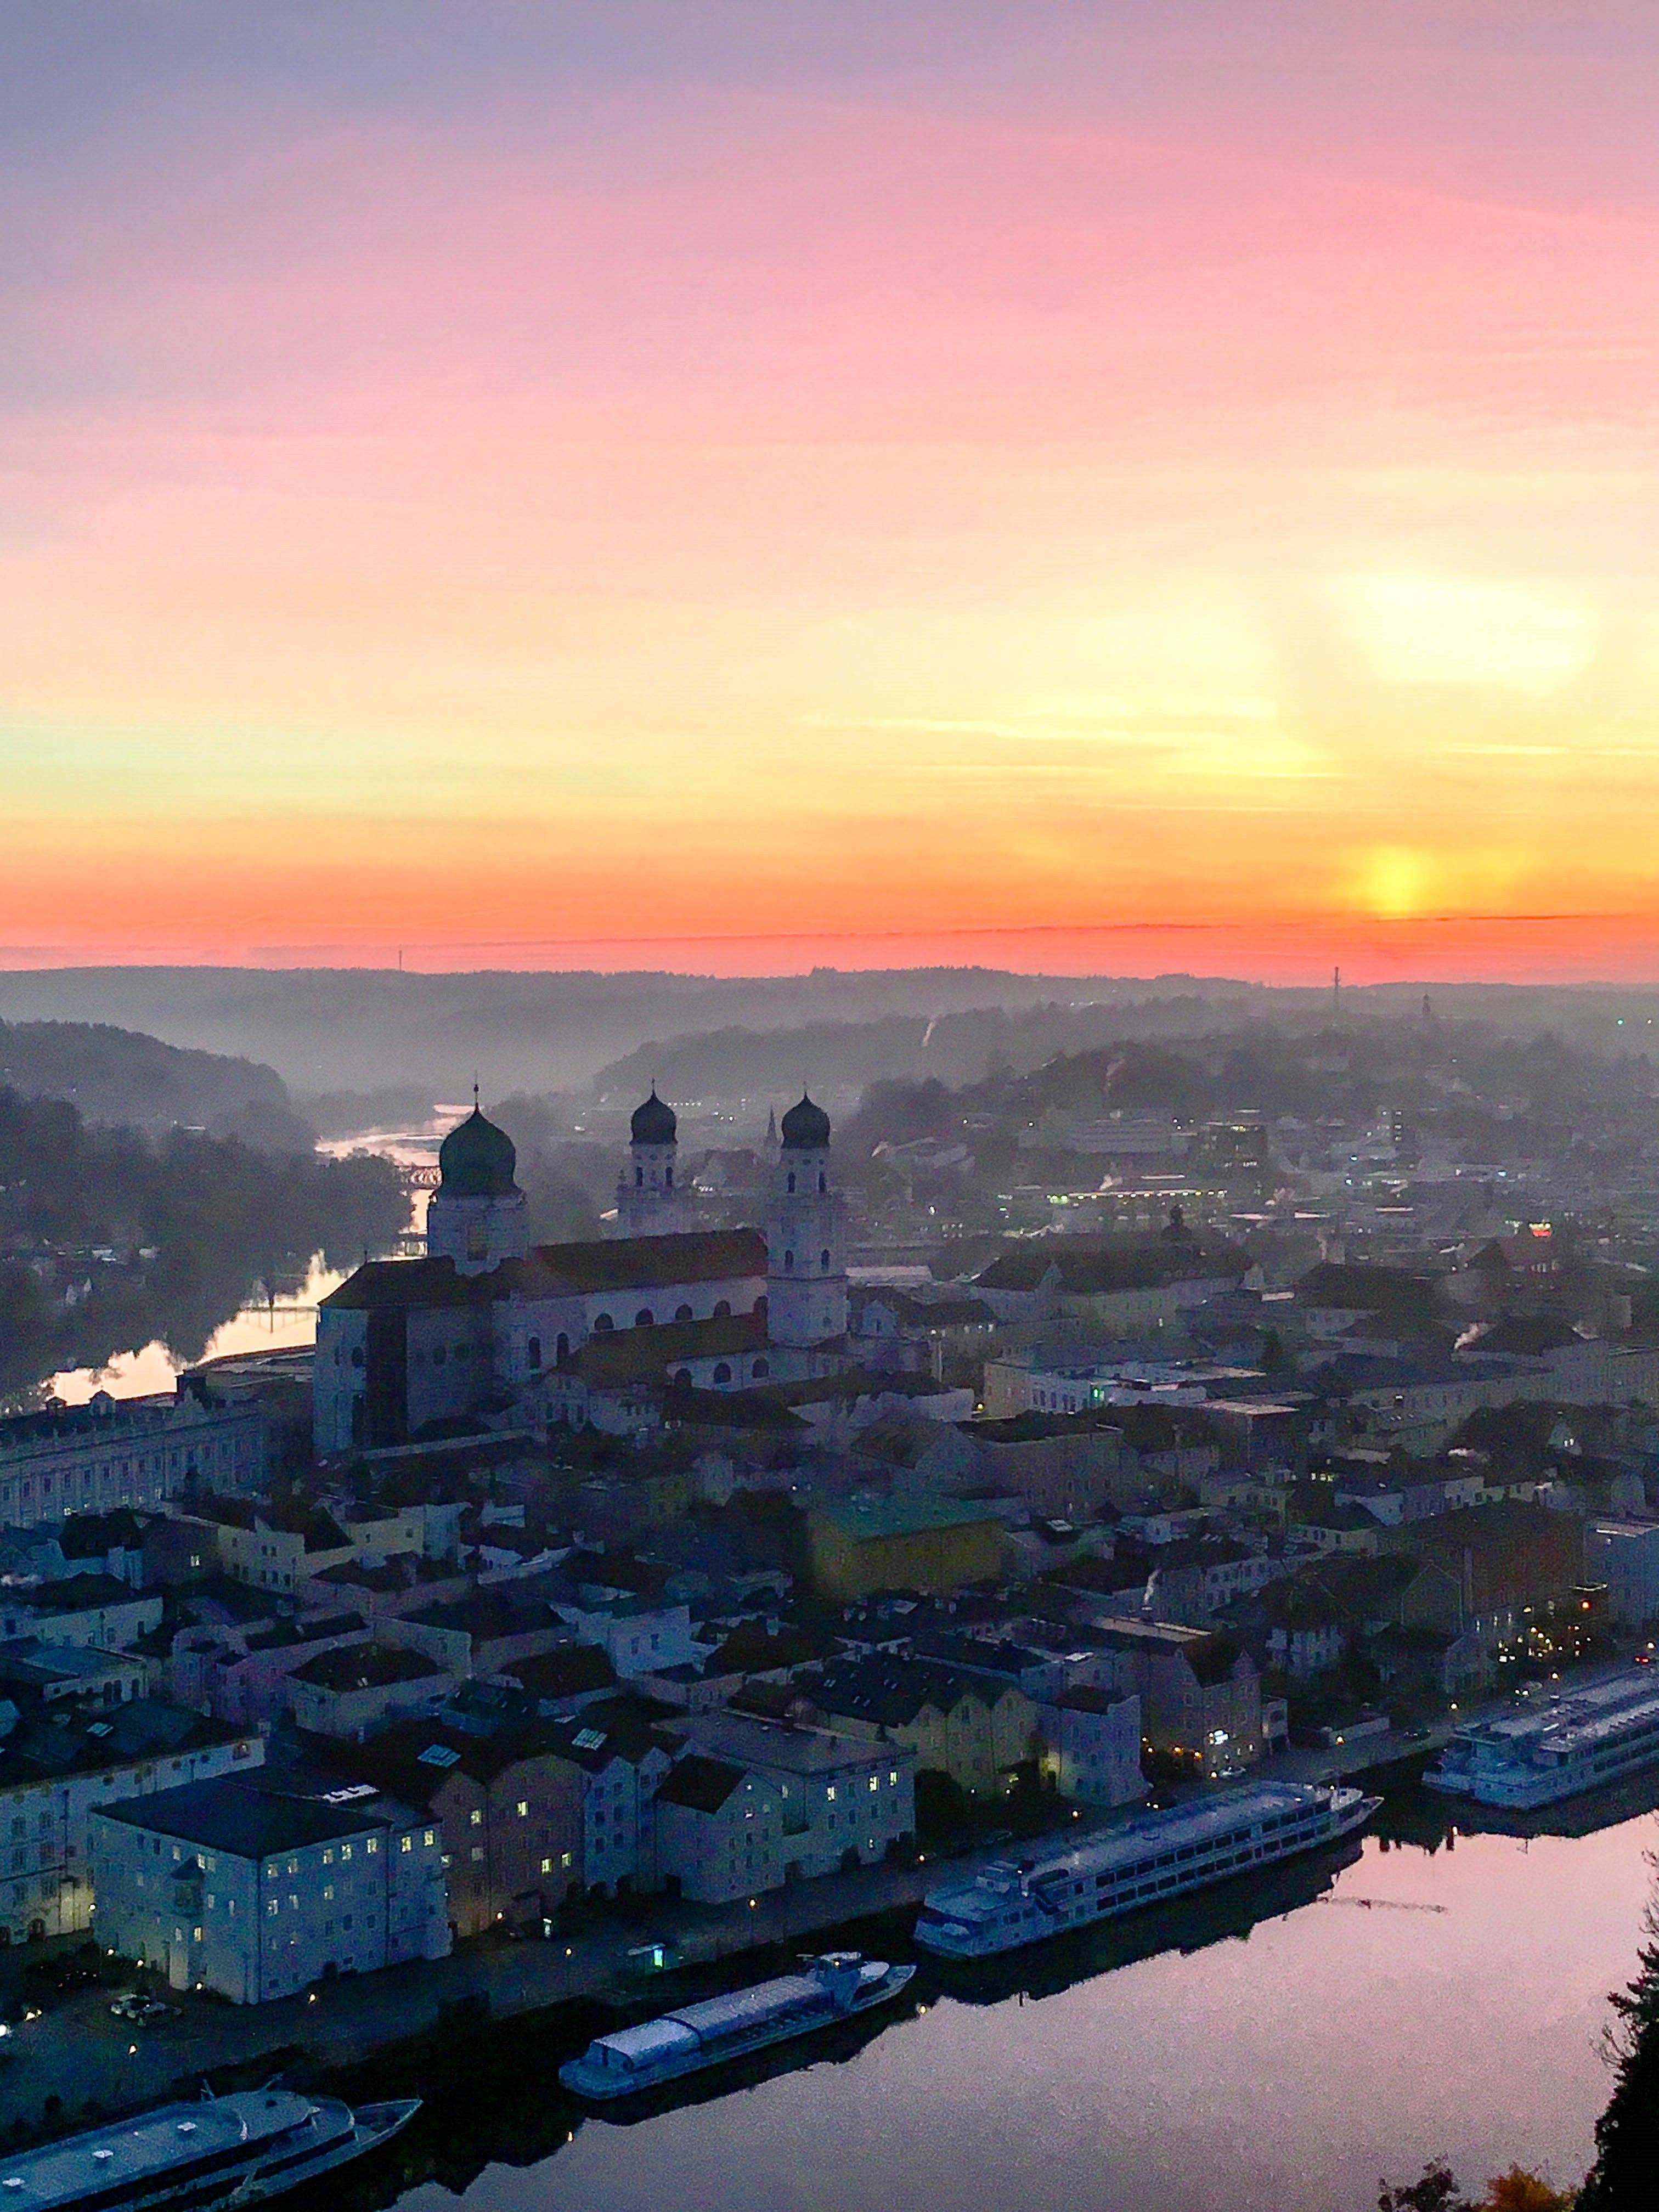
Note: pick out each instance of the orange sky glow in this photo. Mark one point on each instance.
(1150, 487)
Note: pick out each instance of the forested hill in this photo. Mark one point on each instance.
(121, 1077)
(110, 1237)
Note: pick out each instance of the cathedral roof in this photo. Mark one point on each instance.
(477, 1160)
(805, 1128)
(655, 1122)
(619, 1264)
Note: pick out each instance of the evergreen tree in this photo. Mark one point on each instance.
(1623, 2178)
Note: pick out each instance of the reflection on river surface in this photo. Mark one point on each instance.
(1272, 2047)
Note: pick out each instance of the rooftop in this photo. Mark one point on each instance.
(254, 1816)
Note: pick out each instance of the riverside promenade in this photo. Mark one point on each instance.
(77, 2053)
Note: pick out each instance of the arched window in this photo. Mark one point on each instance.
(762, 1367)
(722, 1373)
(823, 1260)
(602, 1324)
(759, 1308)
(561, 1350)
(681, 1378)
(823, 1181)
(792, 1179)
(723, 1309)
(681, 1313)
(638, 1177)
(644, 1318)
(534, 1349)
(788, 1263)
(668, 1176)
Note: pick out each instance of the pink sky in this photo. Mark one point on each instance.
(646, 479)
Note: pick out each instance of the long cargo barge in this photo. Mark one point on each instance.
(833, 1987)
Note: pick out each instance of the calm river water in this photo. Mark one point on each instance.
(1408, 2002)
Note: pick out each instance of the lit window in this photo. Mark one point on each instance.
(406, 1843)
(477, 1817)
(429, 1838)
(524, 1808)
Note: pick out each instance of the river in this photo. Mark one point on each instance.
(281, 1324)
(1421, 2003)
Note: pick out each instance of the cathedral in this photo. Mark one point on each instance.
(491, 1328)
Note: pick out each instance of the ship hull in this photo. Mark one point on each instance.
(375, 2126)
(251, 2172)
(937, 1932)
(591, 2082)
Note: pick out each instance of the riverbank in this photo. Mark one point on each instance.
(77, 2053)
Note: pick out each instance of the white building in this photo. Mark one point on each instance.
(482, 1326)
(87, 1611)
(132, 1452)
(842, 1800)
(257, 1887)
(719, 1831)
(1091, 1746)
(637, 1636)
(622, 1762)
(57, 1773)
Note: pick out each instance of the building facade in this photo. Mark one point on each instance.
(133, 1452)
(259, 1887)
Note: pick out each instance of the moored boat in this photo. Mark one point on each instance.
(833, 1987)
(220, 2152)
(1555, 1748)
(1157, 1854)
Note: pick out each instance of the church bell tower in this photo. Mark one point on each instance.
(805, 1235)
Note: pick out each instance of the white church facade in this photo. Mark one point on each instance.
(487, 1327)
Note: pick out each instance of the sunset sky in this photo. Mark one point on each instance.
(1121, 484)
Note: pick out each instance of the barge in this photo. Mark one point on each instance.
(833, 1987)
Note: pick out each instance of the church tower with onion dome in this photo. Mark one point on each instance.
(650, 1201)
(805, 1235)
(477, 1217)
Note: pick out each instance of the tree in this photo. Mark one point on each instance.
(1627, 2133)
(1519, 2191)
(1436, 2190)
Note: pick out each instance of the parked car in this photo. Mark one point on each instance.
(140, 2011)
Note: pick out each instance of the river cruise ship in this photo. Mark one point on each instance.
(827, 1988)
(220, 2151)
(1558, 1746)
(1154, 1856)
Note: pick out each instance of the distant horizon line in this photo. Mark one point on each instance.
(283, 961)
